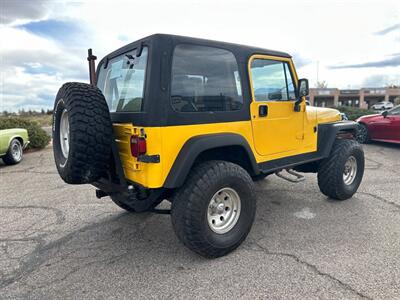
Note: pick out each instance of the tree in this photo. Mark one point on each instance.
(321, 84)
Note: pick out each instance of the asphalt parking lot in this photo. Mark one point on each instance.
(59, 241)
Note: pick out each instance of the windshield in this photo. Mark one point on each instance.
(122, 82)
(394, 111)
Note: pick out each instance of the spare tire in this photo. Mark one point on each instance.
(82, 133)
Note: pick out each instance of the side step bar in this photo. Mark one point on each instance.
(297, 176)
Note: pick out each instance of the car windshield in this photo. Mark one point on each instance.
(122, 81)
(394, 111)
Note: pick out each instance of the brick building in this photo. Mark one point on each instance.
(363, 98)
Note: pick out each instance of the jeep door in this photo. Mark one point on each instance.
(277, 127)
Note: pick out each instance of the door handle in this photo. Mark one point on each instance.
(263, 110)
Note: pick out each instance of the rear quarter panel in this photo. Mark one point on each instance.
(167, 141)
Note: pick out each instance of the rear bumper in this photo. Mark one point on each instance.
(25, 145)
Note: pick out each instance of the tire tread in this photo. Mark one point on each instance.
(329, 171)
(91, 127)
(186, 206)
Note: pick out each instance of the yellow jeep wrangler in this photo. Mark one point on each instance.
(195, 122)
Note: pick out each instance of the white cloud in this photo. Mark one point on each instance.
(22, 11)
(32, 70)
(330, 32)
(19, 39)
(27, 91)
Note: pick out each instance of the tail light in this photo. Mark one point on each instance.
(138, 145)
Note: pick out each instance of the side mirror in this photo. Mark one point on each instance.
(302, 91)
(385, 113)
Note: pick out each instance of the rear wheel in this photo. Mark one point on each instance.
(82, 133)
(213, 212)
(340, 175)
(14, 153)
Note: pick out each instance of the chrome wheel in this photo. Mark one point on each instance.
(64, 134)
(223, 210)
(16, 151)
(350, 170)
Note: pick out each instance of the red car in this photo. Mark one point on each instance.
(384, 127)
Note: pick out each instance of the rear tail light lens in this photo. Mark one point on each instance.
(138, 146)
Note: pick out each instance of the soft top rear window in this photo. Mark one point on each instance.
(122, 82)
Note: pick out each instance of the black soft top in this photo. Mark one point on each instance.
(159, 39)
(156, 108)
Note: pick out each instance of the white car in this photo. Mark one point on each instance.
(382, 105)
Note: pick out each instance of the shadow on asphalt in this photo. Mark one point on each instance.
(384, 144)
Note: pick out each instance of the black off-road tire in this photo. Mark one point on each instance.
(362, 134)
(90, 133)
(331, 170)
(9, 158)
(191, 202)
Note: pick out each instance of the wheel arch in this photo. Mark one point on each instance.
(327, 133)
(16, 137)
(363, 123)
(222, 146)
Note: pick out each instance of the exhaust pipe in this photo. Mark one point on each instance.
(92, 67)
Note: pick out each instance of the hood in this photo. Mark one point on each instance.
(326, 115)
(368, 117)
(14, 131)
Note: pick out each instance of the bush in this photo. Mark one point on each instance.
(37, 136)
(354, 113)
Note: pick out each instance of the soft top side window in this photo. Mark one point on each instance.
(205, 79)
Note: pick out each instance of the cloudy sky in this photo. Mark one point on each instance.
(44, 42)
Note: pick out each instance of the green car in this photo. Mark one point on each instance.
(12, 143)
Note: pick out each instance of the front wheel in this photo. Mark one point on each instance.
(362, 133)
(340, 174)
(214, 211)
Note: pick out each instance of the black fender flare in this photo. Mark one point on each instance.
(195, 146)
(327, 133)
